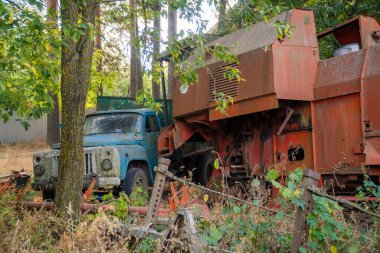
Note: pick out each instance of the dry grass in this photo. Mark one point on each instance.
(40, 231)
(19, 156)
(248, 230)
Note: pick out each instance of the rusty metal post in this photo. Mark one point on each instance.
(301, 228)
(158, 188)
(194, 241)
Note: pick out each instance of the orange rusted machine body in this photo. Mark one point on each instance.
(291, 110)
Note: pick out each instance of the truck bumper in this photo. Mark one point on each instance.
(105, 182)
(101, 183)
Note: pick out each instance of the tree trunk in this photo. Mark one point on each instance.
(135, 61)
(156, 44)
(52, 134)
(172, 31)
(98, 45)
(221, 15)
(76, 69)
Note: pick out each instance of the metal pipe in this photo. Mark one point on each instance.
(144, 210)
(30, 205)
(164, 96)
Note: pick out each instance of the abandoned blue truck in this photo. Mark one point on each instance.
(120, 149)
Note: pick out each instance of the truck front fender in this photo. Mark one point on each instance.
(130, 153)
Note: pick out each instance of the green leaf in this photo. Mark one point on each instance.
(286, 193)
(255, 182)
(236, 209)
(276, 184)
(25, 124)
(216, 164)
(296, 175)
(272, 175)
(82, 25)
(205, 198)
(279, 215)
(215, 235)
(298, 202)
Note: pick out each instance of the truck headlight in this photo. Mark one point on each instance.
(39, 170)
(37, 159)
(106, 164)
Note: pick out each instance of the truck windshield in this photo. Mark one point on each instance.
(113, 123)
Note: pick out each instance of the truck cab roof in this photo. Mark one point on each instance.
(139, 111)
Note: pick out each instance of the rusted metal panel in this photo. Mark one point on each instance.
(256, 69)
(258, 36)
(303, 29)
(294, 71)
(356, 30)
(372, 151)
(344, 25)
(337, 129)
(245, 107)
(368, 26)
(293, 146)
(182, 132)
(371, 115)
(300, 141)
(300, 118)
(339, 75)
(163, 141)
(196, 98)
(372, 88)
(346, 33)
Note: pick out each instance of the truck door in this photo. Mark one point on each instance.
(152, 130)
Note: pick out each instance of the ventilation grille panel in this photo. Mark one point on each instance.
(218, 83)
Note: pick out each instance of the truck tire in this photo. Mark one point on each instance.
(136, 177)
(204, 169)
(48, 195)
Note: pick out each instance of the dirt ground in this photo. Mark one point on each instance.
(18, 156)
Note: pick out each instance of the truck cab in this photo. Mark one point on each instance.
(120, 148)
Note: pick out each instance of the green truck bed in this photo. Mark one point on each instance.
(108, 103)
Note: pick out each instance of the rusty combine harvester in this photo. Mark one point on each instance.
(292, 109)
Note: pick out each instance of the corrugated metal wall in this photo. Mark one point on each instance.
(14, 132)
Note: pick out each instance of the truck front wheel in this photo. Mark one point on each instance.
(204, 168)
(136, 177)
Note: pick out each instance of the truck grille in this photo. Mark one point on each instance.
(89, 164)
(218, 83)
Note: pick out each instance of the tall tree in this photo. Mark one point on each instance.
(52, 134)
(135, 61)
(98, 45)
(78, 21)
(172, 31)
(156, 45)
(221, 15)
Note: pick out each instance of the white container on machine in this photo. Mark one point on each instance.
(346, 49)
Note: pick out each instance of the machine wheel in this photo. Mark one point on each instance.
(136, 177)
(203, 172)
(48, 195)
